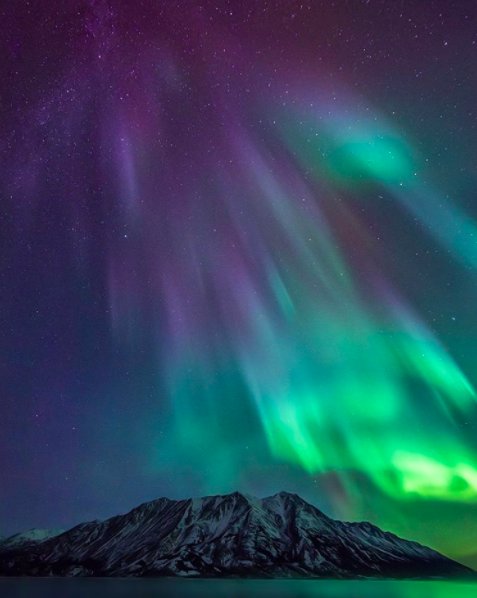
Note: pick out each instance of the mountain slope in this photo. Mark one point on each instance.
(231, 535)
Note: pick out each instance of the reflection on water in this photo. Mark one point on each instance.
(231, 588)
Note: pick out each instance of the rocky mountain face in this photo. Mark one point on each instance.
(231, 535)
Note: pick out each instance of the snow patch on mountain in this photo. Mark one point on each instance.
(30, 536)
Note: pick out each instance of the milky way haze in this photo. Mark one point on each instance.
(239, 245)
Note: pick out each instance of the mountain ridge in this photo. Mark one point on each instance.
(227, 535)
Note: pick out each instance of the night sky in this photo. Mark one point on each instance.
(239, 252)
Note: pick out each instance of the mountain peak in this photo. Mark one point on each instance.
(233, 495)
(284, 495)
(285, 498)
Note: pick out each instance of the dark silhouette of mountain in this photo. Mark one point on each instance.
(231, 535)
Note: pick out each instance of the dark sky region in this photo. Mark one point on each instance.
(238, 252)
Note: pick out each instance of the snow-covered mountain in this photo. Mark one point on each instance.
(31, 536)
(231, 535)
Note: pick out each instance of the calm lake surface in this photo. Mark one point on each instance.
(203, 588)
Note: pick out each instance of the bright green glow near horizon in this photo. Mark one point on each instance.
(427, 477)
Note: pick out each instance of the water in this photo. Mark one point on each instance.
(230, 588)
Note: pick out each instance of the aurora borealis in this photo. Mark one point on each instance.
(239, 251)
